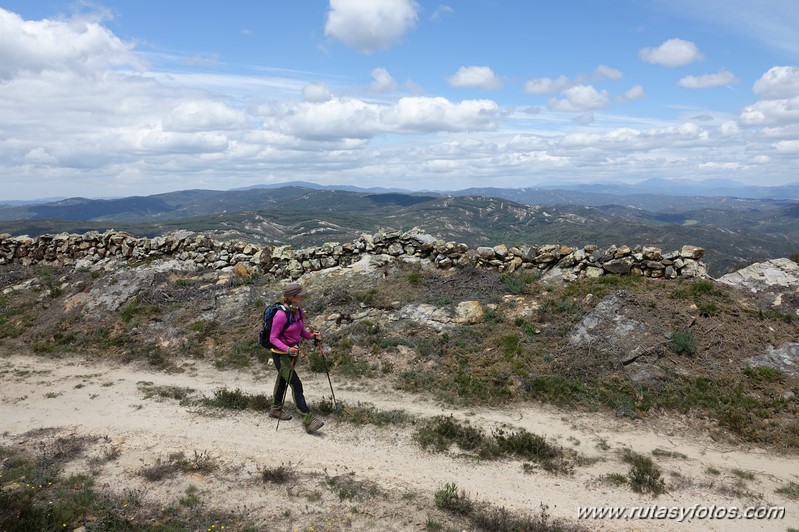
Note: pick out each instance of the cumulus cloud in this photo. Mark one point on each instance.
(80, 45)
(729, 128)
(369, 26)
(202, 115)
(547, 85)
(580, 98)
(708, 81)
(354, 118)
(382, 81)
(475, 77)
(787, 146)
(771, 112)
(636, 92)
(81, 125)
(672, 53)
(606, 72)
(778, 82)
(316, 92)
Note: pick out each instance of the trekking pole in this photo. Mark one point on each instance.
(288, 383)
(324, 363)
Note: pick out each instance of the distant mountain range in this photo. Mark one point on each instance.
(735, 231)
(555, 194)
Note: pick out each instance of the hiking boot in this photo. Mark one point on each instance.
(278, 413)
(313, 426)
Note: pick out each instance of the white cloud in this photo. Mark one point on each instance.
(476, 77)
(771, 112)
(672, 53)
(579, 99)
(367, 25)
(353, 118)
(585, 118)
(707, 81)
(442, 11)
(40, 156)
(721, 166)
(729, 128)
(204, 115)
(769, 21)
(78, 45)
(383, 82)
(316, 93)
(606, 72)
(778, 82)
(84, 126)
(787, 146)
(547, 85)
(636, 92)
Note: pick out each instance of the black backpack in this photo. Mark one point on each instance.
(266, 326)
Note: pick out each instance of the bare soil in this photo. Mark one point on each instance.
(395, 479)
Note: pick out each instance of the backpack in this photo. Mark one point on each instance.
(266, 325)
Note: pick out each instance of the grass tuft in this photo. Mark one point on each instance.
(645, 476)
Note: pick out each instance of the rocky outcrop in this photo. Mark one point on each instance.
(89, 249)
(775, 273)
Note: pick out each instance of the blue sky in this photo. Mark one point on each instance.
(117, 98)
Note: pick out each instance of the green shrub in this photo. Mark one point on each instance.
(450, 499)
(764, 374)
(645, 476)
(515, 283)
(790, 490)
(707, 309)
(414, 380)
(682, 343)
(238, 400)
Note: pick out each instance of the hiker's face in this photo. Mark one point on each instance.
(297, 300)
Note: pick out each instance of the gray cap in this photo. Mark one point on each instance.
(293, 289)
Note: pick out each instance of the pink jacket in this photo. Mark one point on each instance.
(281, 339)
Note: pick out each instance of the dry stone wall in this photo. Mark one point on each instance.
(84, 250)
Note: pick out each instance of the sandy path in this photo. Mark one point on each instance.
(110, 403)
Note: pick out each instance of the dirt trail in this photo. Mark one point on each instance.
(38, 393)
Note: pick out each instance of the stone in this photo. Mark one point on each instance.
(486, 253)
(651, 253)
(623, 251)
(654, 265)
(395, 249)
(501, 251)
(242, 271)
(693, 268)
(692, 252)
(618, 266)
(468, 312)
(593, 272)
(283, 253)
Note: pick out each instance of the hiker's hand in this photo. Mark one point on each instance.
(293, 352)
(317, 337)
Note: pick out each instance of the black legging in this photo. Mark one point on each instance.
(280, 384)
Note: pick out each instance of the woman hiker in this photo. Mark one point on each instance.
(287, 329)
